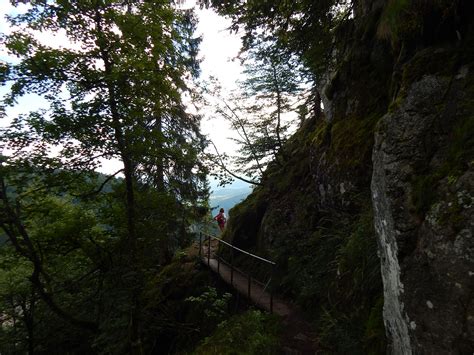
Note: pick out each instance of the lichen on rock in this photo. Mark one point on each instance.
(422, 243)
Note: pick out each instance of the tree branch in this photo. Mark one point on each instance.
(237, 121)
(222, 165)
(99, 189)
(29, 252)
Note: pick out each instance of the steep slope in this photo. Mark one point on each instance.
(315, 215)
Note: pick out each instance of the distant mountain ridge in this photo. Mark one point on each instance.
(228, 197)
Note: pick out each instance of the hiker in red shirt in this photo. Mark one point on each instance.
(221, 219)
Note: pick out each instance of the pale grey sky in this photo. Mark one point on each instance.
(217, 50)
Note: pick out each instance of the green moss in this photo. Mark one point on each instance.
(395, 104)
(452, 216)
(352, 141)
(430, 61)
(321, 134)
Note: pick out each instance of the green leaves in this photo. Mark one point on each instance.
(112, 74)
(214, 307)
(116, 89)
(252, 332)
(20, 44)
(301, 27)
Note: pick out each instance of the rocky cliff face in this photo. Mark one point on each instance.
(313, 215)
(422, 190)
(394, 152)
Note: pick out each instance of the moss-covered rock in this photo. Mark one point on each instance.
(313, 214)
(314, 217)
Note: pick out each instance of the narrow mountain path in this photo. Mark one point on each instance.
(298, 338)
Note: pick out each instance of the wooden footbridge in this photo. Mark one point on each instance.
(255, 290)
(298, 337)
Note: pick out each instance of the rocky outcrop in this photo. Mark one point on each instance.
(423, 196)
(313, 214)
(395, 151)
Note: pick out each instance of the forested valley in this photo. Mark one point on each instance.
(354, 125)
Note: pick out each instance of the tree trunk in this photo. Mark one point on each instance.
(135, 338)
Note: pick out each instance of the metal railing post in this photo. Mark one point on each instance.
(271, 302)
(250, 281)
(202, 254)
(232, 267)
(200, 245)
(271, 290)
(208, 250)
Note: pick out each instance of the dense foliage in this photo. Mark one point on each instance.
(88, 262)
(252, 332)
(81, 245)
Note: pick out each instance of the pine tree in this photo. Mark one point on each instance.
(263, 111)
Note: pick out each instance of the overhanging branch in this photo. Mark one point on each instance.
(223, 166)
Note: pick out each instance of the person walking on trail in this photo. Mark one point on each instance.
(221, 219)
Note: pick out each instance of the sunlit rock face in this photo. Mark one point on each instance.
(422, 191)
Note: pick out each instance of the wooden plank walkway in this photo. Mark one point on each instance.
(298, 337)
(258, 295)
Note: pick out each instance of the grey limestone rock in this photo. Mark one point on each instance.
(427, 261)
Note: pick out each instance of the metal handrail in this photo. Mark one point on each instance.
(208, 236)
(242, 251)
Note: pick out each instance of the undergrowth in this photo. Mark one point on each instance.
(252, 332)
(334, 274)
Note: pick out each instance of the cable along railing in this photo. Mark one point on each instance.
(206, 254)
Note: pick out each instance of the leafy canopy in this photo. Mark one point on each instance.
(114, 77)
